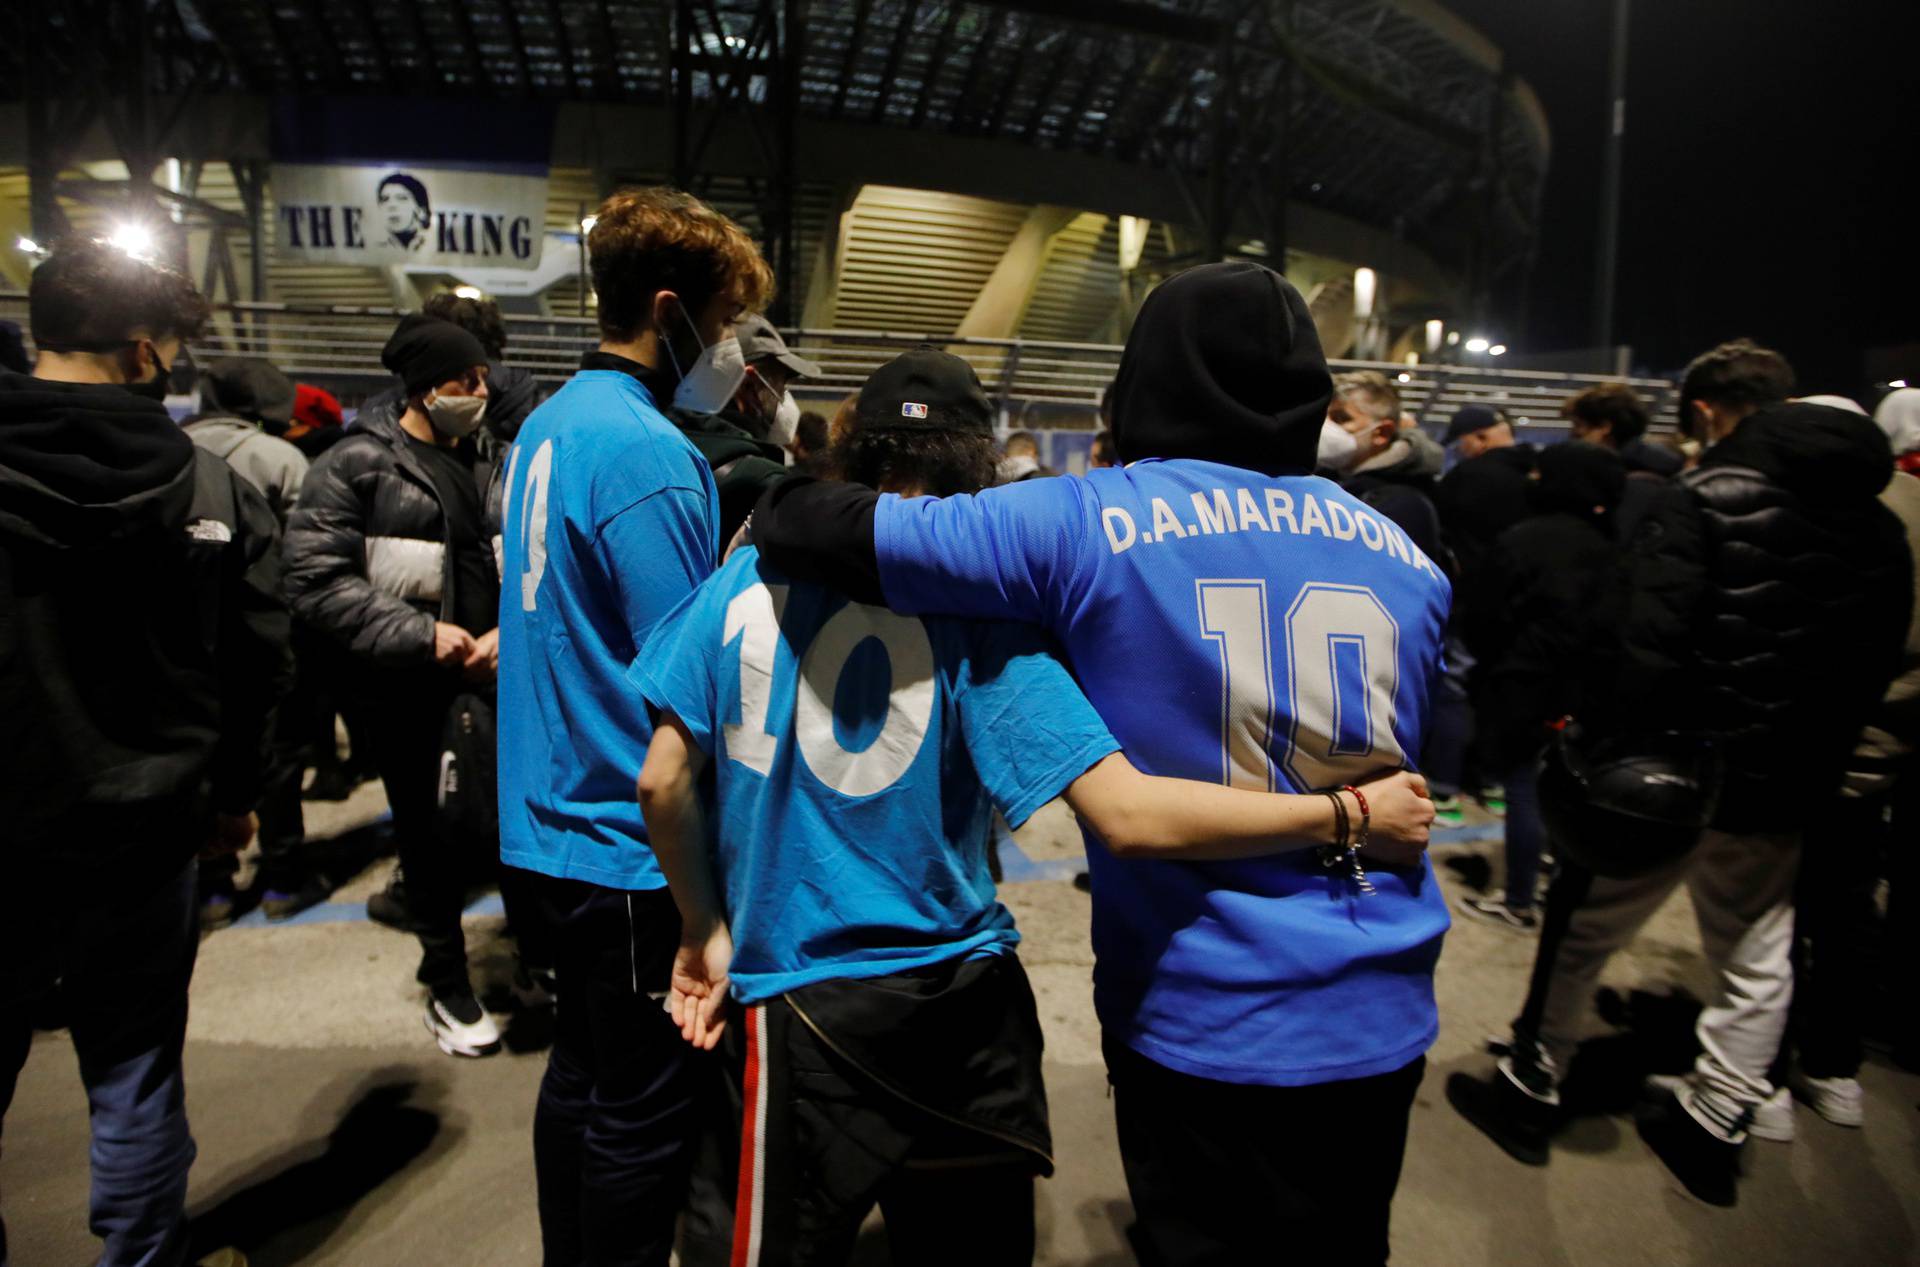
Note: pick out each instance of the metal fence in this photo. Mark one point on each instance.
(1029, 379)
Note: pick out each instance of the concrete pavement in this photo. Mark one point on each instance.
(331, 1131)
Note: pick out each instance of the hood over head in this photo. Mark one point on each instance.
(1224, 365)
(1821, 454)
(249, 388)
(1899, 416)
(85, 463)
(1641, 454)
(1579, 479)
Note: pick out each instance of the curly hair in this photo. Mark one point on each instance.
(478, 317)
(645, 241)
(1615, 404)
(939, 463)
(91, 296)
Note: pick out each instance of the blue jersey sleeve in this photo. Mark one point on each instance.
(1029, 729)
(678, 669)
(654, 552)
(1011, 553)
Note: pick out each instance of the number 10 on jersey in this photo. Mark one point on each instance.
(1333, 699)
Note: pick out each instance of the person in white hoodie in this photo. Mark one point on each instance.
(1899, 416)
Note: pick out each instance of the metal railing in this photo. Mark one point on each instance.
(340, 346)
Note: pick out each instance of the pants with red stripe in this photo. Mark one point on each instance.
(819, 1144)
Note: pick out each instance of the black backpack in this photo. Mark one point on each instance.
(469, 806)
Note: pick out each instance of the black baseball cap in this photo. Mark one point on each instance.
(1472, 418)
(924, 390)
(759, 341)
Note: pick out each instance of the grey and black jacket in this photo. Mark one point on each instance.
(366, 548)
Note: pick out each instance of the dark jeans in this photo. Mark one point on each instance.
(404, 731)
(1526, 833)
(120, 972)
(614, 1132)
(1451, 729)
(1224, 1175)
(1833, 934)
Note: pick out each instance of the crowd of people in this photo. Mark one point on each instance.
(724, 696)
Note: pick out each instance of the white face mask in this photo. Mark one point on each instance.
(1337, 446)
(456, 416)
(785, 422)
(710, 382)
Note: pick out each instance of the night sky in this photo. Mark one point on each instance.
(1765, 141)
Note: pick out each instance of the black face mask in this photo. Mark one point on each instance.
(154, 388)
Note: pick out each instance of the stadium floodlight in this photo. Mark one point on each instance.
(135, 239)
(1498, 349)
(30, 246)
(586, 225)
(1898, 382)
(468, 292)
(1405, 377)
(1477, 344)
(1453, 337)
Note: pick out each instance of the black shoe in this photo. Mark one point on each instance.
(1083, 881)
(333, 783)
(286, 901)
(390, 907)
(1519, 1123)
(1706, 1165)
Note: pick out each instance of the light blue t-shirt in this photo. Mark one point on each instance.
(857, 757)
(1268, 632)
(609, 520)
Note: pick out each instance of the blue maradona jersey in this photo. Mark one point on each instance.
(1267, 632)
(857, 757)
(609, 521)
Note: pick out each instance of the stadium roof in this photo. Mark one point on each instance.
(1390, 112)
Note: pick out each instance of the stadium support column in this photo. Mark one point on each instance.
(1606, 258)
(1279, 170)
(1220, 129)
(779, 227)
(682, 63)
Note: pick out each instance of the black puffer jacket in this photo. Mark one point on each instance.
(366, 548)
(1807, 590)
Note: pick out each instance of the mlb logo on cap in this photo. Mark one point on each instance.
(909, 409)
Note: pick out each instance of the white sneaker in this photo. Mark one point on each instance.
(1836, 1099)
(1772, 1117)
(479, 1037)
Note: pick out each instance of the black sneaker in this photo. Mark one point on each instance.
(217, 908)
(460, 1025)
(334, 783)
(1494, 910)
(389, 906)
(1520, 1123)
(1705, 1165)
(286, 902)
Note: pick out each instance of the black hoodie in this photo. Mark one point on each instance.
(143, 644)
(1807, 586)
(1542, 609)
(1223, 365)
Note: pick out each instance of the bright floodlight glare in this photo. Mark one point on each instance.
(28, 245)
(135, 239)
(586, 225)
(1498, 349)
(1406, 378)
(1476, 344)
(1453, 337)
(468, 292)
(1898, 382)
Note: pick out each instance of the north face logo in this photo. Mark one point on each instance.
(210, 530)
